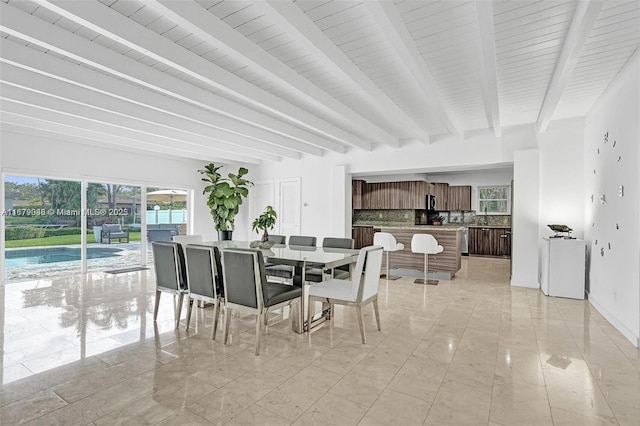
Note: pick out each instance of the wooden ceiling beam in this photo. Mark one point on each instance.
(389, 19)
(289, 16)
(13, 98)
(29, 117)
(66, 71)
(488, 69)
(112, 24)
(584, 17)
(161, 123)
(34, 30)
(197, 20)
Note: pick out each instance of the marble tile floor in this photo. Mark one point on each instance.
(474, 350)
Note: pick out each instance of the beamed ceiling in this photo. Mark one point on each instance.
(255, 81)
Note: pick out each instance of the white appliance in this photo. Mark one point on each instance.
(464, 242)
(563, 265)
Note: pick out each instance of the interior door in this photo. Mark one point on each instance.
(289, 206)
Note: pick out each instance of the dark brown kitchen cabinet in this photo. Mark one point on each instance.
(442, 196)
(358, 188)
(459, 197)
(395, 195)
(363, 236)
(376, 196)
(485, 241)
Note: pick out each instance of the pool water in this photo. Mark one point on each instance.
(38, 256)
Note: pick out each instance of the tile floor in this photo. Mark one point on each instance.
(468, 351)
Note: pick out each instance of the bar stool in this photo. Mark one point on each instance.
(426, 244)
(388, 243)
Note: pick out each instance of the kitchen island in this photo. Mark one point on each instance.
(445, 264)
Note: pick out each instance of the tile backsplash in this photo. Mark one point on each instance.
(382, 217)
(410, 217)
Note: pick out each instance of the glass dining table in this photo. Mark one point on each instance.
(300, 256)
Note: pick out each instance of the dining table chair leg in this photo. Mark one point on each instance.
(216, 314)
(157, 305)
(361, 323)
(189, 312)
(179, 309)
(376, 310)
(227, 320)
(259, 321)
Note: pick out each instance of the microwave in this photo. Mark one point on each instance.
(431, 202)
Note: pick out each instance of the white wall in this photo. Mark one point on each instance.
(322, 198)
(562, 177)
(613, 225)
(525, 219)
(324, 195)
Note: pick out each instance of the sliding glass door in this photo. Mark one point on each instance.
(45, 219)
(42, 227)
(113, 226)
(166, 215)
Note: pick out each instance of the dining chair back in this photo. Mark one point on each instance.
(301, 240)
(288, 272)
(246, 285)
(361, 290)
(202, 274)
(277, 239)
(171, 275)
(333, 242)
(316, 274)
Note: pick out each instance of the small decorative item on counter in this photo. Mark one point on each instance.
(437, 220)
(559, 230)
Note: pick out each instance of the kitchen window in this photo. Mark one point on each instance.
(494, 199)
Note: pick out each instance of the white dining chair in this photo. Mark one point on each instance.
(360, 290)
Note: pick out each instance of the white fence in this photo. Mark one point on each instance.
(162, 216)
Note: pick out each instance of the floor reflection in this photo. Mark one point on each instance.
(474, 350)
(49, 323)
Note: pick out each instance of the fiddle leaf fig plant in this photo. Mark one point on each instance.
(224, 194)
(264, 222)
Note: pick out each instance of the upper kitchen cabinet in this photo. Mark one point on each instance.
(442, 196)
(413, 194)
(459, 197)
(394, 195)
(357, 193)
(375, 196)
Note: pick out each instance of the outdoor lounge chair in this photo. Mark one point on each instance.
(113, 232)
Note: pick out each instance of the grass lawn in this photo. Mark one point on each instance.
(59, 240)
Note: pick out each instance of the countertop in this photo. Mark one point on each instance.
(450, 227)
(489, 226)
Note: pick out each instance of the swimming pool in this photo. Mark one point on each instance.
(44, 255)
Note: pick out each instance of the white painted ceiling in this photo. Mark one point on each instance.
(254, 81)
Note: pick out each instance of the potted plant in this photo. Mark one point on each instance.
(224, 197)
(264, 222)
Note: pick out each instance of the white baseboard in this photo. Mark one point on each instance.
(635, 340)
(527, 284)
